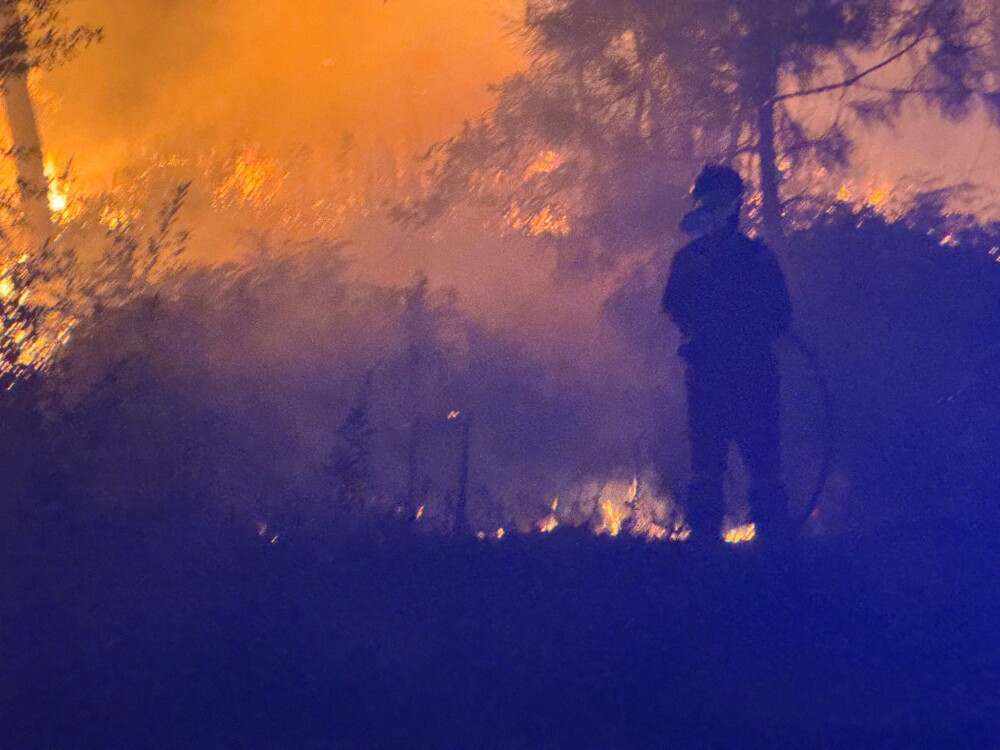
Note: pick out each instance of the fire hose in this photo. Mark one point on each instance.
(828, 428)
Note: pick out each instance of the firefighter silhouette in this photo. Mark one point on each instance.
(727, 295)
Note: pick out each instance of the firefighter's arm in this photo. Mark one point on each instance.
(776, 312)
(679, 300)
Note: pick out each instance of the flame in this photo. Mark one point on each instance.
(30, 342)
(655, 532)
(547, 161)
(497, 534)
(878, 197)
(114, 217)
(614, 512)
(613, 515)
(61, 205)
(58, 198)
(253, 180)
(547, 221)
(680, 532)
(740, 534)
(550, 522)
(623, 508)
(883, 198)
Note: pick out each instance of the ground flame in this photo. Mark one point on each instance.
(740, 534)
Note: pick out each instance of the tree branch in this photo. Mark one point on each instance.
(909, 90)
(848, 82)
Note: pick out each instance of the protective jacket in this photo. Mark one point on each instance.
(727, 295)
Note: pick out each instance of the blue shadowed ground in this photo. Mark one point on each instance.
(179, 637)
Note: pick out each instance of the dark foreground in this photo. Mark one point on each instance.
(167, 636)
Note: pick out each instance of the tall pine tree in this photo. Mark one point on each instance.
(620, 97)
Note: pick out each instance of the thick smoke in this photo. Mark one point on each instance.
(187, 76)
(190, 78)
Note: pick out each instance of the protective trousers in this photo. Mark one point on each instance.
(735, 399)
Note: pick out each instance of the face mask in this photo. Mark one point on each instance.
(706, 219)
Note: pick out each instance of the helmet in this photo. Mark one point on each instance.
(717, 185)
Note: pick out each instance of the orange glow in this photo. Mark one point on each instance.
(113, 217)
(680, 532)
(548, 161)
(741, 534)
(550, 522)
(289, 73)
(31, 341)
(613, 515)
(626, 508)
(878, 197)
(61, 203)
(615, 509)
(546, 221)
(253, 180)
(655, 532)
(884, 198)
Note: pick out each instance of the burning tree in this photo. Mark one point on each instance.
(36, 311)
(31, 37)
(623, 99)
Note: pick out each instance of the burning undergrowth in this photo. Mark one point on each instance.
(301, 385)
(286, 389)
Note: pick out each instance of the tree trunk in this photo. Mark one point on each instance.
(770, 177)
(26, 143)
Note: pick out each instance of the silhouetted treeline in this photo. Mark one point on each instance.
(622, 102)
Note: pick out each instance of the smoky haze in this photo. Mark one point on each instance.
(199, 79)
(184, 77)
(267, 96)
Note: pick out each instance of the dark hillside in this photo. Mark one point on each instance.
(166, 636)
